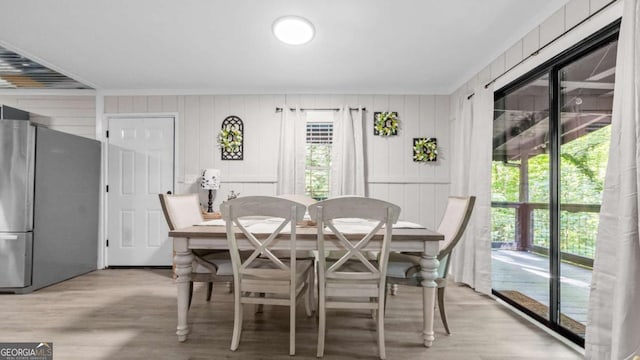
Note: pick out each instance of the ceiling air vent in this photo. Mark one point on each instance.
(18, 72)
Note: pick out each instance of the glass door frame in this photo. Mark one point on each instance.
(552, 67)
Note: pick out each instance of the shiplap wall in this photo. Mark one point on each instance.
(70, 114)
(420, 189)
(563, 20)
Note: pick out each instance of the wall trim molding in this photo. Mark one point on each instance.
(104, 125)
(409, 180)
(250, 179)
(141, 115)
(436, 91)
(100, 136)
(377, 180)
(48, 92)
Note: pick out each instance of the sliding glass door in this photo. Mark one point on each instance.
(521, 195)
(586, 100)
(550, 149)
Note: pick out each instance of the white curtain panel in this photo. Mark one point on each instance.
(461, 148)
(471, 175)
(291, 155)
(613, 323)
(347, 154)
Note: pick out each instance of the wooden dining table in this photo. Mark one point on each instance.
(420, 240)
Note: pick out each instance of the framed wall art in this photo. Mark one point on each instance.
(425, 149)
(231, 138)
(385, 123)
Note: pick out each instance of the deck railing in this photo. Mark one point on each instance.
(524, 226)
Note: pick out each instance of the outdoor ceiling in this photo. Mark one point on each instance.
(226, 46)
(521, 127)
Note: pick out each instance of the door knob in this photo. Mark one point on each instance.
(169, 192)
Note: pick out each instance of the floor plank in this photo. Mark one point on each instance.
(131, 314)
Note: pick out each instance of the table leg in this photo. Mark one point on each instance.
(429, 272)
(183, 260)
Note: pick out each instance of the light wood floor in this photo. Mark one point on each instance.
(131, 314)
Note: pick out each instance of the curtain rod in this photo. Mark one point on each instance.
(545, 45)
(279, 109)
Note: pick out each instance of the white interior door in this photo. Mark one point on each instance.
(140, 166)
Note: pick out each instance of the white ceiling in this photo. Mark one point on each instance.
(226, 46)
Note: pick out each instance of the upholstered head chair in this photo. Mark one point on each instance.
(182, 211)
(405, 268)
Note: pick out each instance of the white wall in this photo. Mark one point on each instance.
(70, 114)
(420, 189)
(570, 24)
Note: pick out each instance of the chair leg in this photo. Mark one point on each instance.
(308, 296)
(316, 283)
(322, 321)
(385, 295)
(373, 311)
(381, 345)
(394, 289)
(190, 294)
(209, 290)
(443, 314)
(292, 324)
(237, 320)
(260, 307)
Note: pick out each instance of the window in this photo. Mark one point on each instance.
(550, 150)
(319, 139)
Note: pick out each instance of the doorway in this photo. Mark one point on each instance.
(140, 165)
(550, 150)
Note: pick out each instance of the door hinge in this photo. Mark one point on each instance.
(107, 242)
(107, 188)
(107, 133)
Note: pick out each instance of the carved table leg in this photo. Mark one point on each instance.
(429, 272)
(183, 260)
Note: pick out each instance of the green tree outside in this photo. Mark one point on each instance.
(582, 165)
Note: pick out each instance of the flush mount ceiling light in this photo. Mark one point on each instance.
(293, 30)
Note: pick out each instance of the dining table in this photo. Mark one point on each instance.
(406, 237)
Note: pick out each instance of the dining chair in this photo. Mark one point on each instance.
(208, 265)
(352, 281)
(306, 201)
(302, 199)
(264, 277)
(404, 268)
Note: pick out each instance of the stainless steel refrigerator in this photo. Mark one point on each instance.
(49, 205)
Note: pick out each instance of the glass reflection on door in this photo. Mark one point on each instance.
(586, 101)
(520, 196)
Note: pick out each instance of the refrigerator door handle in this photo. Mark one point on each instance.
(8, 237)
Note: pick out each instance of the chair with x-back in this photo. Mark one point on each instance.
(264, 277)
(404, 269)
(208, 266)
(353, 280)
